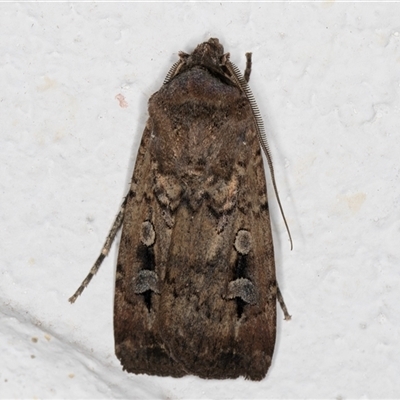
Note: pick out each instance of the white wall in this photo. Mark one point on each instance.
(326, 77)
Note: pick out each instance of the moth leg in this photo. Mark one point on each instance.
(104, 252)
(282, 304)
(247, 71)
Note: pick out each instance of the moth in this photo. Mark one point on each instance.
(195, 289)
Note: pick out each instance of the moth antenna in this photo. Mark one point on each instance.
(247, 71)
(104, 252)
(241, 82)
(173, 71)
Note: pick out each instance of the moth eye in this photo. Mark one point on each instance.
(243, 242)
(147, 234)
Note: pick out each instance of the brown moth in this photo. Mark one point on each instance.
(195, 289)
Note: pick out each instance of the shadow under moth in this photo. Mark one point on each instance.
(195, 289)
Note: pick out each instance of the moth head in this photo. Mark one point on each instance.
(209, 55)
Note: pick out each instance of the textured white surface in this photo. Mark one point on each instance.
(326, 77)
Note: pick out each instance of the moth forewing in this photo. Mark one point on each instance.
(195, 285)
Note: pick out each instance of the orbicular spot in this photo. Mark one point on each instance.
(147, 234)
(223, 195)
(243, 242)
(168, 191)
